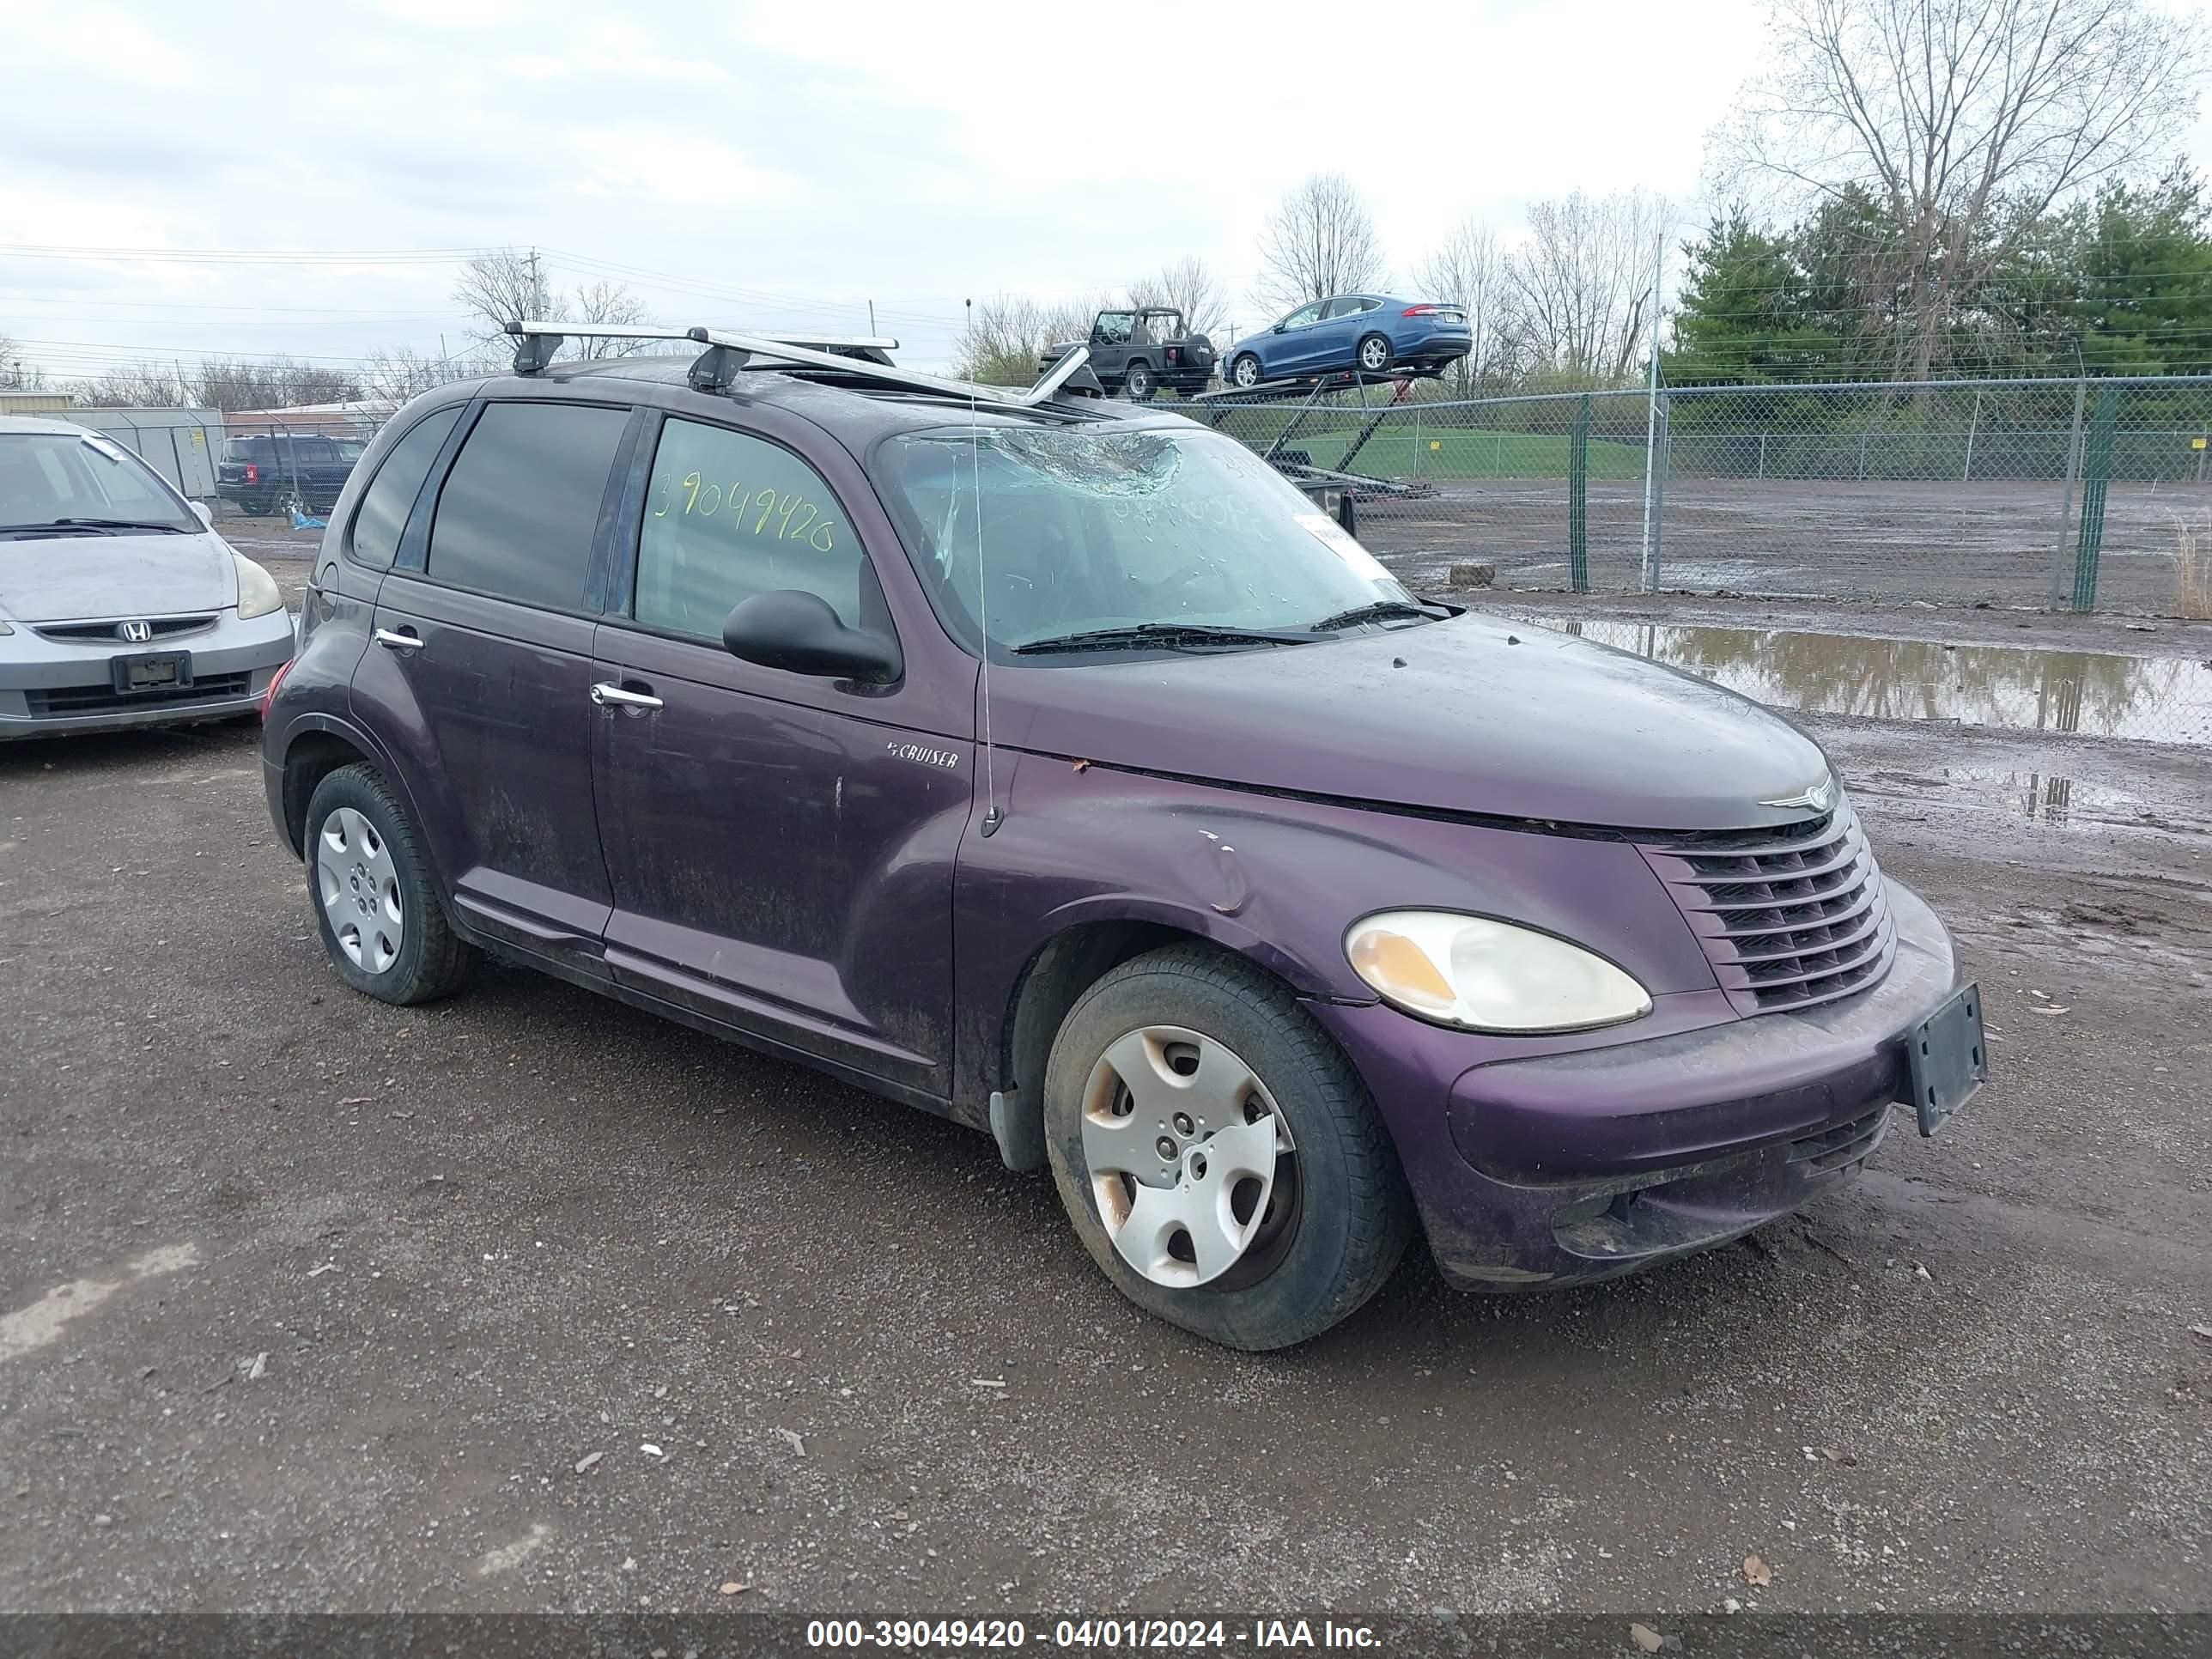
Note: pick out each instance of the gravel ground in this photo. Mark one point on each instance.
(1948, 543)
(528, 1301)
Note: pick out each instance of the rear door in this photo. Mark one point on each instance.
(480, 677)
(1336, 339)
(780, 846)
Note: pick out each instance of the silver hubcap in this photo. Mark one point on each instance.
(1179, 1140)
(360, 889)
(1372, 354)
(1247, 371)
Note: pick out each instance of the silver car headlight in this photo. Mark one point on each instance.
(1487, 975)
(258, 593)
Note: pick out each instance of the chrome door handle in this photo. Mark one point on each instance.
(398, 640)
(613, 696)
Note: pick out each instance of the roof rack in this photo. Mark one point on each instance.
(727, 353)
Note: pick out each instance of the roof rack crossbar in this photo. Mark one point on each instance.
(864, 356)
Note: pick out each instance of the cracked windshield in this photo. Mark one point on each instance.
(1083, 532)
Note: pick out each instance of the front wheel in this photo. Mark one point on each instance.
(378, 916)
(1375, 354)
(1217, 1155)
(1245, 371)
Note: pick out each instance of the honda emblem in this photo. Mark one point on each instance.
(137, 633)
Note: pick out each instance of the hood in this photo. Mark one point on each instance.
(1554, 727)
(78, 578)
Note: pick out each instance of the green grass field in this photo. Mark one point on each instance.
(1401, 450)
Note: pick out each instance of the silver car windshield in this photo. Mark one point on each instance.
(53, 477)
(1090, 529)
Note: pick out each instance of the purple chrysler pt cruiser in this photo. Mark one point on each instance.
(1051, 764)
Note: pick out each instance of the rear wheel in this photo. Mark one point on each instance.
(379, 918)
(1375, 354)
(1245, 371)
(1218, 1155)
(1140, 384)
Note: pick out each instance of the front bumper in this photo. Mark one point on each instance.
(56, 689)
(1578, 1166)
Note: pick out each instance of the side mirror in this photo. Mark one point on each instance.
(206, 517)
(1278, 328)
(799, 632)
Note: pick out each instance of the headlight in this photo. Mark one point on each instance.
(1489, 975)
(257, 594)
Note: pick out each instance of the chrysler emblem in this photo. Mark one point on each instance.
(1818, 798)
(137, 633)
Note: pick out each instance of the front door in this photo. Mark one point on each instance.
(481, 672)
(1296, 346)
(781, 848)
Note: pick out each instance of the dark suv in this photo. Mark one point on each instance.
(261, 475)
(1055, 767)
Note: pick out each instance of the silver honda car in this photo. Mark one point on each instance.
(119, 606)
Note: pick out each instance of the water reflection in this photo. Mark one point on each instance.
(2100, 693)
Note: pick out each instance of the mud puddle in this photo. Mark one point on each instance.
(2095, 694)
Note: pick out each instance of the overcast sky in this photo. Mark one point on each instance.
(782, 164)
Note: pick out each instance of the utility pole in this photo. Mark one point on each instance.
(1650, 561)
(537, 289)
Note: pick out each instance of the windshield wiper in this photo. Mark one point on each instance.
(112, 523)
(1380, 611)
(1137, 635)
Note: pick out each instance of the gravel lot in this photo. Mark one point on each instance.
(527, 1301)
(1948, 544)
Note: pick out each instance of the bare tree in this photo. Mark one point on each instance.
(606, 302)
(1007, 335)
(1468, 269)
(1190, 287)
(506, 287)
(1319, 240)
(1968, 120)
(403, 373)
(1581, 282)
(502, 288)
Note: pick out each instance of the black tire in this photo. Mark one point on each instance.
(1244, 373)
(254, 510)
(1139, 383)
(1347, 1214)
(431, 962)
(1374, 354)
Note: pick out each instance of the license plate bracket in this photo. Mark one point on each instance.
(1947, 1058)
(151, 670)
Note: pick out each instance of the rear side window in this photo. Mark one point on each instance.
(517, 511)
(383, 510)
(728, 516)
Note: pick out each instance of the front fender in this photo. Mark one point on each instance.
(1276, 879)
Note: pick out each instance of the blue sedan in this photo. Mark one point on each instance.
(1372, 333)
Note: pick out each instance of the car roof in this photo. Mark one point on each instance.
(24, 426)
(857, 412)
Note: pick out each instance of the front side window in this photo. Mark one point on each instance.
(727, 516)
(1090, 529)
(1113, 327)
(48, 479)
(1304, 317)
(390, 495)
(518, 513)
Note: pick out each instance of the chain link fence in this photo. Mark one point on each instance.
(2078, 494)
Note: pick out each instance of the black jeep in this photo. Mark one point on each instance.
(1141, 349)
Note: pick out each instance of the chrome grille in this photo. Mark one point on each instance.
(1788, 916)
(110, 633)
